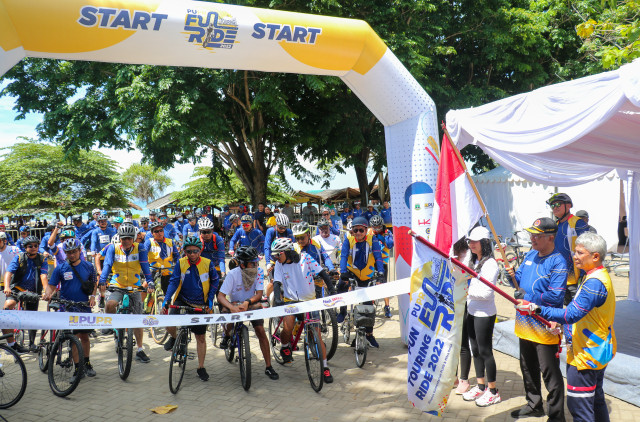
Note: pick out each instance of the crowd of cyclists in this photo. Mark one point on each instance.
(273, 261)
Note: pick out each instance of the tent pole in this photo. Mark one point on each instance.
(484, 209)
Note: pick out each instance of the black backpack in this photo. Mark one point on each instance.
(22, 270)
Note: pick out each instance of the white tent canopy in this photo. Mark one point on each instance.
(566, 134)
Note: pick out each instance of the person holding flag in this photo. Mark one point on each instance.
(542, 278)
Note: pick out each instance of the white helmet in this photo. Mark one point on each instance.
(205, 224)
(282, 244)
(282, 220)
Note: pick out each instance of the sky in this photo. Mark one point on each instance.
(11, 130)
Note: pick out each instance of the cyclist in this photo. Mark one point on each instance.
(101, 235)
(361, 256)
(79, 227)
(117, 222)
(169, 230)
(24, 232)
(7, 253)
(385, 213)
(293, 282)
(58, 251)
(162, 253)
(191, 228)
(69, 276)
(336, 221)
(94, 223)
(329, 241)
(379, 232)
(370, 212)
(144, 225)
(26, 272)
(212, 245)
(346, 215)
(179, 223)
(153, 216)
(128, 260)
(233, 223)
(193, 282)
(326, 215)
(129, 216)
(248, 236)
(3, 229)
(244, 285)
(280, 230)
(301, 232)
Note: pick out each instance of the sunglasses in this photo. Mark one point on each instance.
(31, 245)
(298, 238)
(192, 251)
(325, 213)
(275, 256)
(556, 205)
(361, 230)
(158, 231)
(205, 231)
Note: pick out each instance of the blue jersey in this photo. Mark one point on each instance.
(544, 279)
(44, 244)
(563, 241)
(368, 214)
(28, 281)
(10, 239)
(70, 285)
(242, 238)
(214, 251)
(361, 255)
(189, 230)
(385, 213)
(191, 285)
(179, 225)
(345, 217)
(80, 231)
(273, 234)
(101, 238)
(357, 212)
(318, 254)
(169, 231)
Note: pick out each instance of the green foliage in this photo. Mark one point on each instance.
(146, 182)
(611, 33)
(40, 176)
(211, 189)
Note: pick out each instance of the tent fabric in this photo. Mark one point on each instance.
(565, 135)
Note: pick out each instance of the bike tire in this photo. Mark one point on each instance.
(313, 358)
(178, 362)
(230, 351)
(512, 259)
(13, 381)
(360, 348)
(18, 337)
(159, 334)
(244, 357)
(275, 331)
(346, 328)
(61, 365)
(125, 352)
(329, 330)
(44, 349)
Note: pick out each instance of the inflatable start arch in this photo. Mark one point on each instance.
(191, 33)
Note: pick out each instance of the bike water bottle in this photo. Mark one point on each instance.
(125, 301)
(296, 328)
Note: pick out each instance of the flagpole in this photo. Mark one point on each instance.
(484, 209)
(474, 274)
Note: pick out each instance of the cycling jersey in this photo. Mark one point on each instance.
(386, 244)
(345, 217)
(234, 287)
(317, 252)
(368, 214)
(356, 212)
(242, 238)
(80, 230)
(179, 225)
(272, 234)
(44, 243)
(565, 242)
(70, 285)
(361, 258)
(169, 231)
(195, 284)
(61, 256)
(101, 238)
(214, 250)
(385, 213)
(29, 278)
(331, 244)
(162, 255)
(127, 266)
(20, 246)
(336, 223)
(10, 239)
(297, 278)
(189, 230)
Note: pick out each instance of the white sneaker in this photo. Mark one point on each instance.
(463, 387)
(472, 394)
(487, 399)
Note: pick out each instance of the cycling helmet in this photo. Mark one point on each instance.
(300, 228)
(559, 197)
(232, 218)
(128, 221)
(246, 254)
(198, 214)
(96, 211)
(191, 217)
(192, 241)
(205, 224)
(246, 219)
(152, 213)
(359, 221)
(376, 220)
(67, 234)
(30, 239)
(282, 220)
(126, 231)
(162, 214)
(155, 225)
(323, 222)
(3, 236)
(76, 217)
(282, 244)
(102, 216)
(144, 219)
(127, 213)
(24, 229)
(115, 239)
(118, 220)
(70, 245)
(225, 208)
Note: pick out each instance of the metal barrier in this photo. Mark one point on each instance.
(37, 232)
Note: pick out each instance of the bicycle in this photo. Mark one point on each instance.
(328, 323)
(22, 299)
(240, 341)
(13, 375)
(123, 337)
(159, 334)
(312, 348)
(360, 317)
(63, 371)
(180, 352)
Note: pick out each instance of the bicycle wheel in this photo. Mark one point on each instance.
(361, 348)
(44, 349)
(313, 357)
(346, 328)
(229, 352)
(329, 330)
(64, 374)
(275, 330)
(159, 334)
(244, 356)
(125, 351)
(13, 377)
(214, 335)
(178, 362)
(512, 260)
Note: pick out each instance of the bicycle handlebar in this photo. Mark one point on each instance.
(186, 308)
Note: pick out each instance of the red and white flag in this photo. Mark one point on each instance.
(456, 209)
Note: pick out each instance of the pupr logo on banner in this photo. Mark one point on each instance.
(211, 29)
(83, 320)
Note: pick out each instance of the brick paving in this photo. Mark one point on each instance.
(376, 392)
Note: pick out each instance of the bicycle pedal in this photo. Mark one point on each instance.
(191, 355)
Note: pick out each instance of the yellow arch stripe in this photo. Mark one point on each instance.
(9, 38)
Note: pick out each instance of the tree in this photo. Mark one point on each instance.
(212, 189)
(147, 182)
(611, 32)
(40, 176)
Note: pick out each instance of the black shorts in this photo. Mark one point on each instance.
(195, 329)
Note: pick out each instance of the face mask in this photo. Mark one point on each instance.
(180, 218)
(249, 277)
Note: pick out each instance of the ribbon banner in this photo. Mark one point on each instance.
(26, 320)
(438, 295)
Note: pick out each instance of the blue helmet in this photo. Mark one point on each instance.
(25, 229)
(71, 244)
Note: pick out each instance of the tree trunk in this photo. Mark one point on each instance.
(361, 175)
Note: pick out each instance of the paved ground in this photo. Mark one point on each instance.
(375, 392)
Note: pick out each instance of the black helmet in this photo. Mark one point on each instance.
(144, 219)
(559, 197)
(76, 217)
(246, 254)
(30, 239)
(155, 225)
(323, 222)
(127, 213)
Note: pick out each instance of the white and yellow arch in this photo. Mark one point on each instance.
(191, 33)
